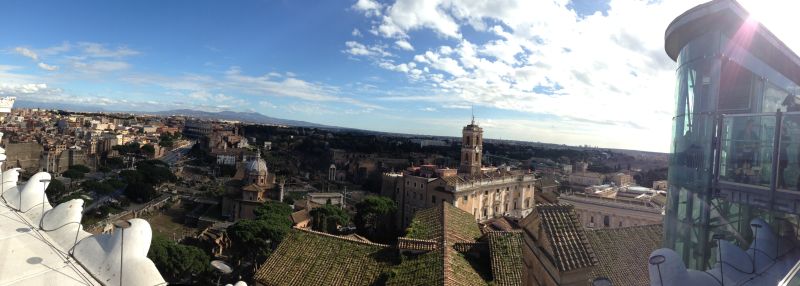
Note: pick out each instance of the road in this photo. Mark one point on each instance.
(175, 155)
(171, 157)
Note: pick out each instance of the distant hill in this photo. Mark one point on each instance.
(250, 117)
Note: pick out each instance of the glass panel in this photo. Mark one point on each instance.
(789, 153)
(775, 98)
(701, 47)
(746, 153)
(737, 87)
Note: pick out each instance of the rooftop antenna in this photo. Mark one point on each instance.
(473, 114)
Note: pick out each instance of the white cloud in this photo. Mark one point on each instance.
(405, 45)
(267, 104)
(100, 66)
(356, 33)
(368, 7)
(358, 49)
(98, 50)
(47, 67)
(27, 52)
(543, 58)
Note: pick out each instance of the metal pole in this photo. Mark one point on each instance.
(718, 237)
(44, 195)
(657, 260)
(755, 243)
(121, 225)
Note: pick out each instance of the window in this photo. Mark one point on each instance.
(591, 219)
(485, 193)
(736, 86)
(606, 221)
(465, 199)
(484, 212)
(620, 224)
(433, 199)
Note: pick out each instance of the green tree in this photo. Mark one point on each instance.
(55, 190)
(80, 168)
(104, 169)
(165, 140)
(328, 217)
(148, 149)
(177, 262)
(73, 174)
(274, 210)
(253, 239)
(375, 218)
(140, 192)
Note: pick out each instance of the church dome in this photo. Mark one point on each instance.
(257, 166)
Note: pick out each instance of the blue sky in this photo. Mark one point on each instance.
(572, 72)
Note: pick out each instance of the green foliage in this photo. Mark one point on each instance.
(99, 187)
(132, 148)
(375, 218)
(177, 262)
(253, 239)
(115, 183)
(55, 190)
(114, 163)
(646, 178)
(80, 168)
(153, 172)
(274, 210)
(600, 168)
(148, 149)
(328, 217)
(140, 192)
(104, 169)
(73, 174)
(167, 140)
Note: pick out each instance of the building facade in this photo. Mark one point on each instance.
(483, 192)
(734, 163)
(599, 212)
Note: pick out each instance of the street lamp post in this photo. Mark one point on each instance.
(121, 225)
(657, 260)
(44, 195)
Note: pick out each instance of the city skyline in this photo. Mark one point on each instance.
(569, 72)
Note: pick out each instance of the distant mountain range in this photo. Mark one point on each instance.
(249, 117)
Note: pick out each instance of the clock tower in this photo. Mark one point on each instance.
(471, 148)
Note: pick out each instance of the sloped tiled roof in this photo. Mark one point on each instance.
(505, 248)
(307, 258)
(312, 258)
(624, 248)
(564, 237)
(447, 225)
(300, 216)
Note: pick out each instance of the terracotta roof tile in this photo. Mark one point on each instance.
(624, 248)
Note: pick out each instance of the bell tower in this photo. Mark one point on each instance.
(471, 148)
